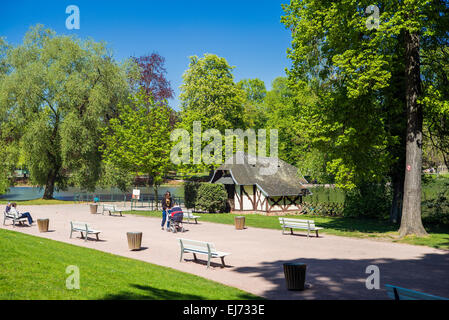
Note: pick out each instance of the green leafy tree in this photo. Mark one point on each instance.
(354, 68)
(60, 91)
(115, 177)
(435, 66)
(7, 133)
(254, 112)
(210, 95)
(138, 140)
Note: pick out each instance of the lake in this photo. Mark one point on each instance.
(31, 193)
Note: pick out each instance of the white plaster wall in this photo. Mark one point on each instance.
(247, 204)
(236, 200)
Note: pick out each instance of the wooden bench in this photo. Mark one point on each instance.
(189, 215)
(200, 247)
(288, 223)
(82, 227)
(11, 216)
(398, 293)
(111, 209)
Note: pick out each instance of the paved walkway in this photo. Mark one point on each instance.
(335, 265)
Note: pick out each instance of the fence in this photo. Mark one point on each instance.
(145, 201)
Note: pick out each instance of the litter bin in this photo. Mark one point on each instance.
(93, 208)
(295, 275)
(134, 240)
(43, 225)
(239, 223)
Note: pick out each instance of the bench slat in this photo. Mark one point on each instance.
(407, 294)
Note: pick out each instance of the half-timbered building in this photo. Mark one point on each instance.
(261, 184)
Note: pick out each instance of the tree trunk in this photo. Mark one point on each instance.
(50, 185)
(396, 205)
(152, 184)
(156, 195)
(411, 222)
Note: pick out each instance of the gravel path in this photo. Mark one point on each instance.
(335, 265)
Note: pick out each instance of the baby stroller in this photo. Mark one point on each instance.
(175, 219)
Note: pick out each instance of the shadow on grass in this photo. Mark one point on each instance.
(345, 279)
(358, 225)
(151, 293)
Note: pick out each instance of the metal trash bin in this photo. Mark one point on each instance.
(295, 275)
(239, 222)
(134, 240)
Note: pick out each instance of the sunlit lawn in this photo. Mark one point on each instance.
(35, 268)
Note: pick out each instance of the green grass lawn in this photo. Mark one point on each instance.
(340, 226)
(35, 268)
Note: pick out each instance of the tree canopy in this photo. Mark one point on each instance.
(138, 140)
(57, 92)
(368, 84)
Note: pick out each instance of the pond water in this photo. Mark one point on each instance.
(31, 193)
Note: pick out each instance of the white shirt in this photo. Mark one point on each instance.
(14, 212)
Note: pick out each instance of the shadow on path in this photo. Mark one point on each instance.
(345, 279)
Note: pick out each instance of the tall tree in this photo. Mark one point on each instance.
(60, 90)
(6, 140)
(153, 79)
(138, 140)
(254, 112)
(210, 95)
(352, 64)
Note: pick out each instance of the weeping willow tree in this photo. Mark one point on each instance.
(57, 92)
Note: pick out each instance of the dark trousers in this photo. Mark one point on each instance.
(164, 217)
(28, 216)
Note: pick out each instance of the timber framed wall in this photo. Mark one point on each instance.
(251, 198)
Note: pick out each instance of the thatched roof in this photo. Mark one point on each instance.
(273, 176)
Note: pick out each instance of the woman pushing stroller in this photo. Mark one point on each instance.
(167, 204)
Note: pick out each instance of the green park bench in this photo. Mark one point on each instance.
(398, 293)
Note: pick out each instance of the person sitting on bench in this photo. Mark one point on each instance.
(13, 210)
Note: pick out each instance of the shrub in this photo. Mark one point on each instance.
(211, 197)
(368, 200)
(190, 193)
(437, 209)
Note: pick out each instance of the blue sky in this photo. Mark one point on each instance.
(248, 33)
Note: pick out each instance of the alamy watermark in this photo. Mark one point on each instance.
(73, 280)
(373, 280)
(73, 20)
(373, 21)
(190, 151)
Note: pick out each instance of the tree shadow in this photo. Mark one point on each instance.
(150, 293)
(361, 225)
(344, 279)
